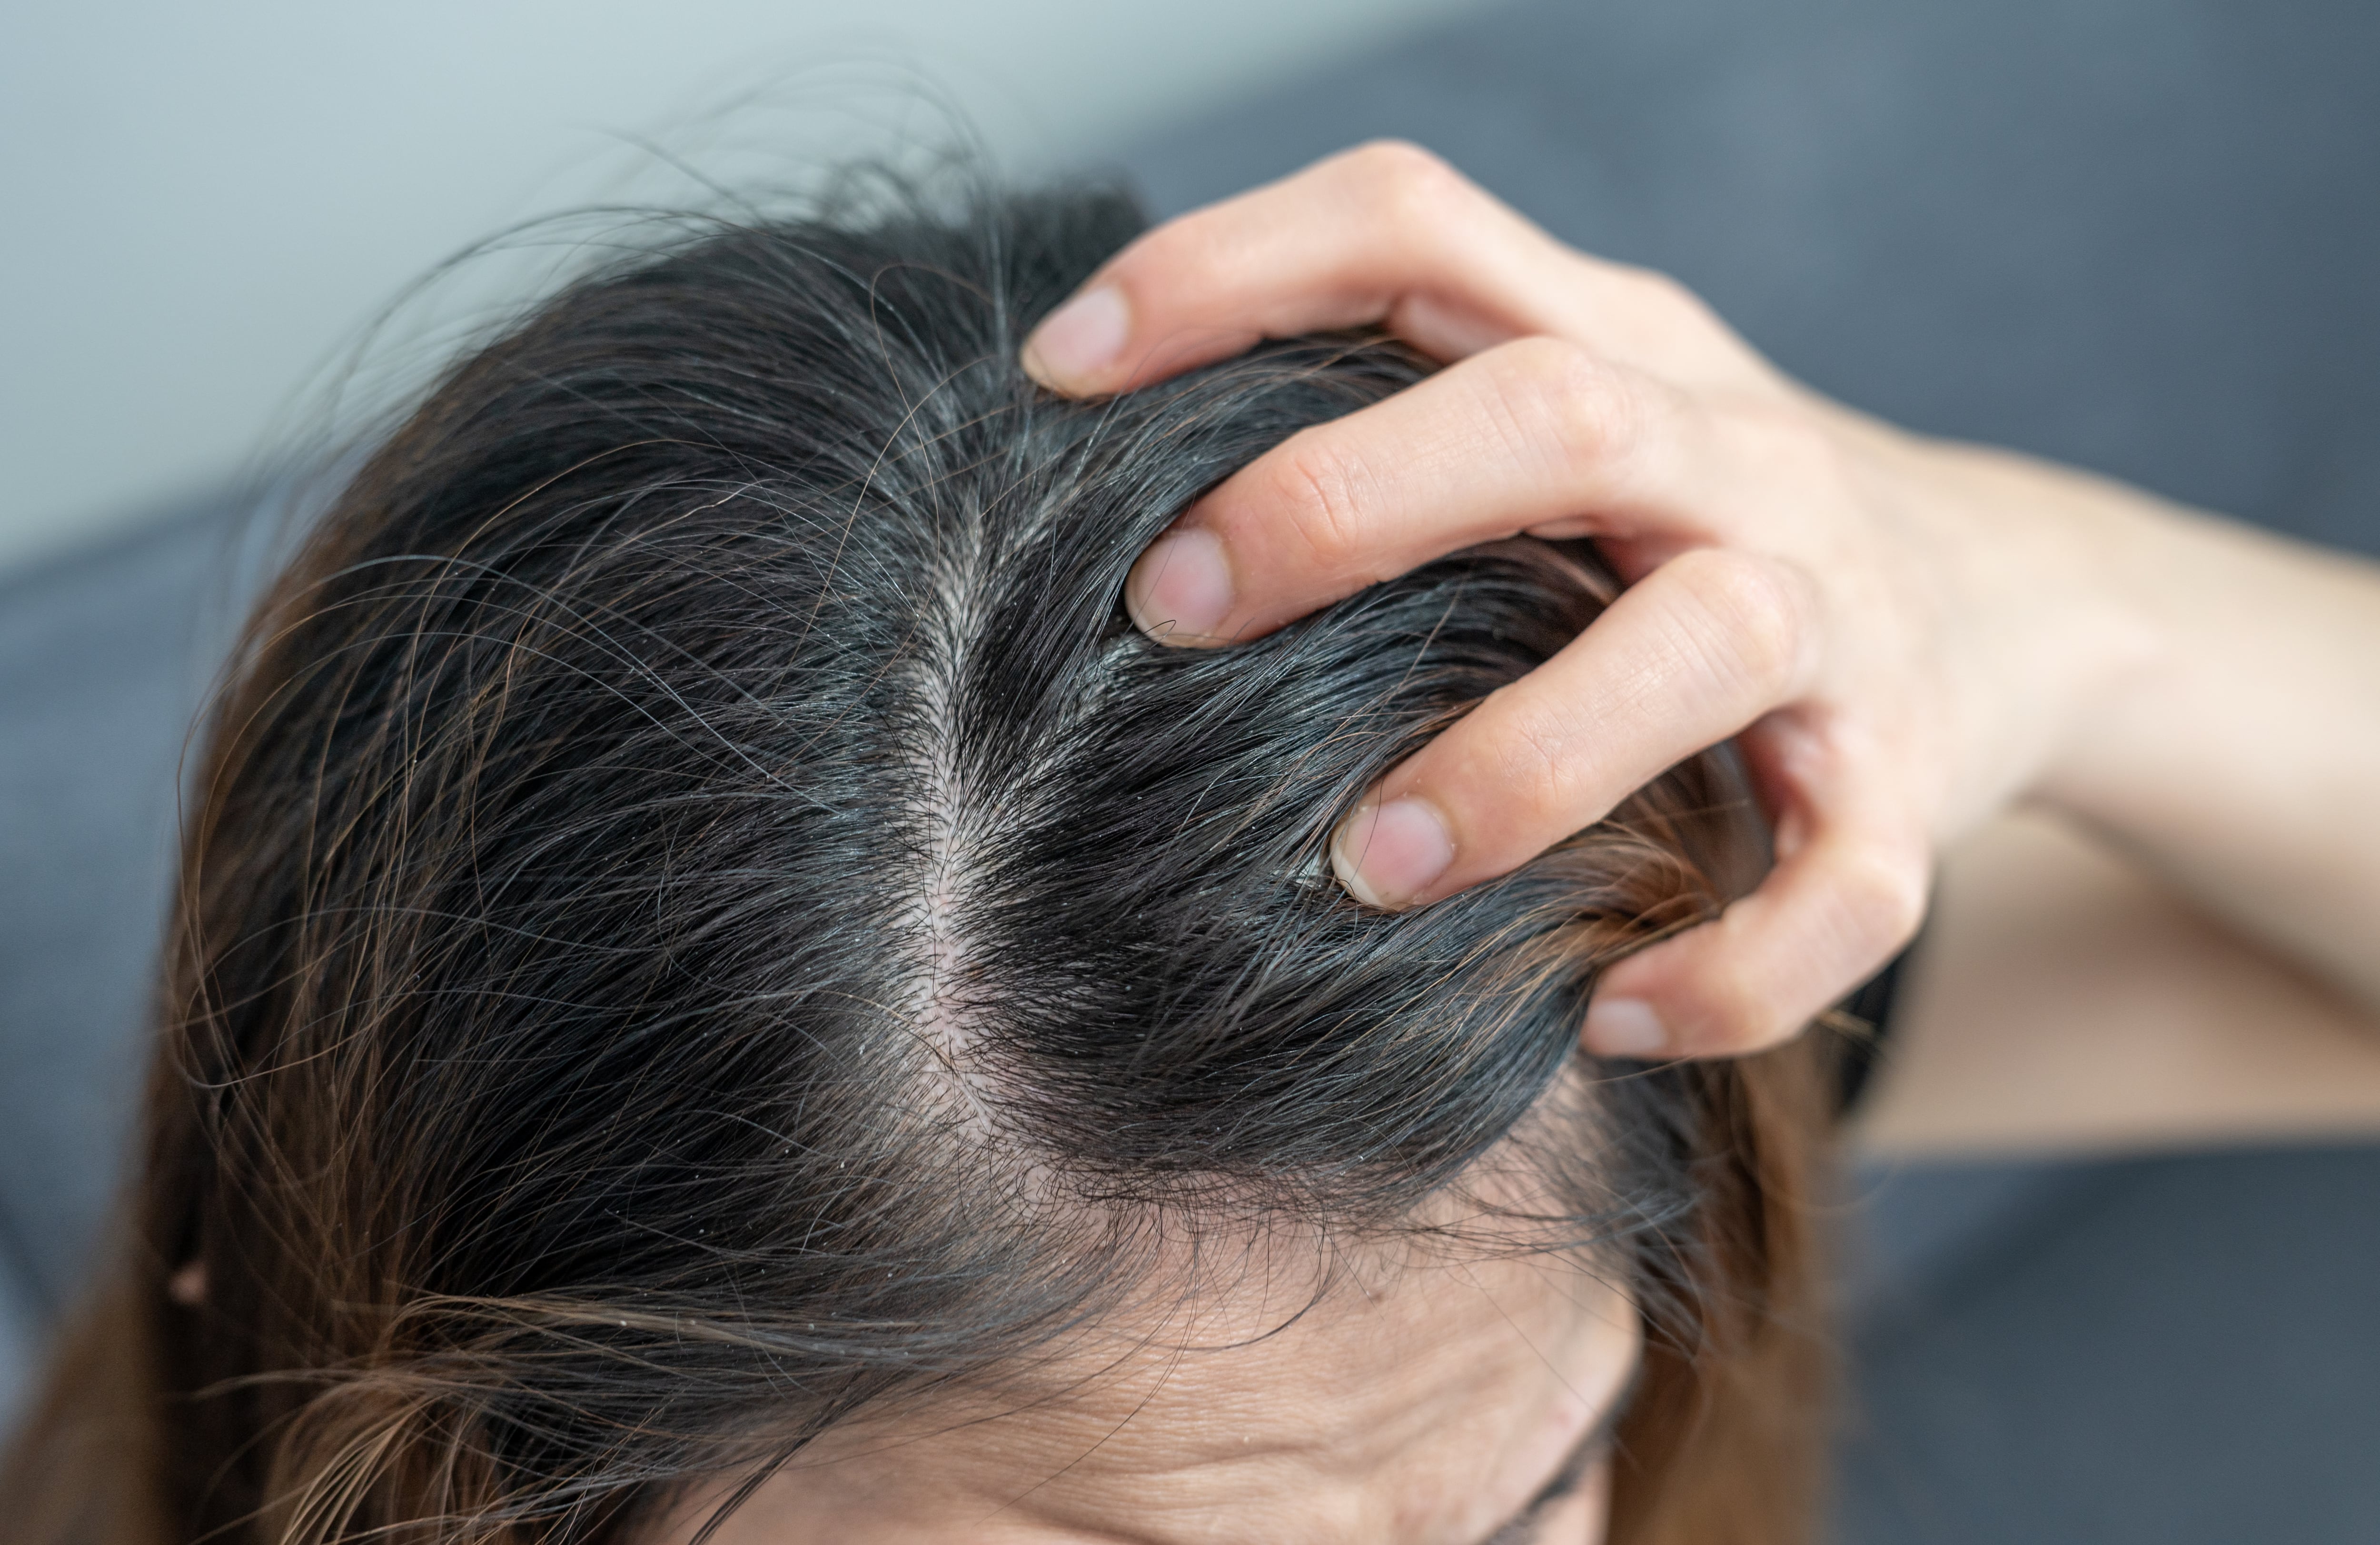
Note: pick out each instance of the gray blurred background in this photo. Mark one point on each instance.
(2137, 235)
(203, 203)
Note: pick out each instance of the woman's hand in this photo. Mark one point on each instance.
(1906, 635)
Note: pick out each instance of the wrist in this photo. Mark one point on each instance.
(2055, 633)
(2121, 565)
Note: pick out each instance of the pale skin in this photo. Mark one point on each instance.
(1448, 1402)
(2131, 748)
(1908, 636)
(2065, 1001)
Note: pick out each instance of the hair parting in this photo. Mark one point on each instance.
(700, 915)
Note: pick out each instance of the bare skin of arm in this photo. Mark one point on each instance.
(2066, 1000)
(1908, 635)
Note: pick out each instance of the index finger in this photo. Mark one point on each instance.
(1385, 234)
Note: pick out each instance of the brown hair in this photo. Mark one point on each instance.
(701, 914)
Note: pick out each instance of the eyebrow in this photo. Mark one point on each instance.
(1520, 1528)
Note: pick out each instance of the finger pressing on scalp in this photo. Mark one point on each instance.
(1386, 232)
(1706, 644)
(1533, 433)
(1825, 919)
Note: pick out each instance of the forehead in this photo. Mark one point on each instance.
(1420, 1402)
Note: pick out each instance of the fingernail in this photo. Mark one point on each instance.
(1386, 855)
(1078, 340)
(1181, 588)
(1624, 1027)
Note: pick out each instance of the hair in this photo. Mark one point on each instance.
(700, 915)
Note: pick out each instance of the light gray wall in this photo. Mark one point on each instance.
(200, 205)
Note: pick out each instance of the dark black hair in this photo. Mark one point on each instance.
(703, 914)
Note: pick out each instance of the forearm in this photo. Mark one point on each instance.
(2063, 1000)
(2239, 756)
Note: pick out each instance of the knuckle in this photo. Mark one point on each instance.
(1320, 487)
(1389, 160)
(1882, 897)
(1735, 1014)
(1748, 615)
(1536, 768)
(1659, 295)
(1556, 395)
(1409, 182)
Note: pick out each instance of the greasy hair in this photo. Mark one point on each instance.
(702, 915)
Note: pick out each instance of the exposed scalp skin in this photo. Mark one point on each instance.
(702, 913)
